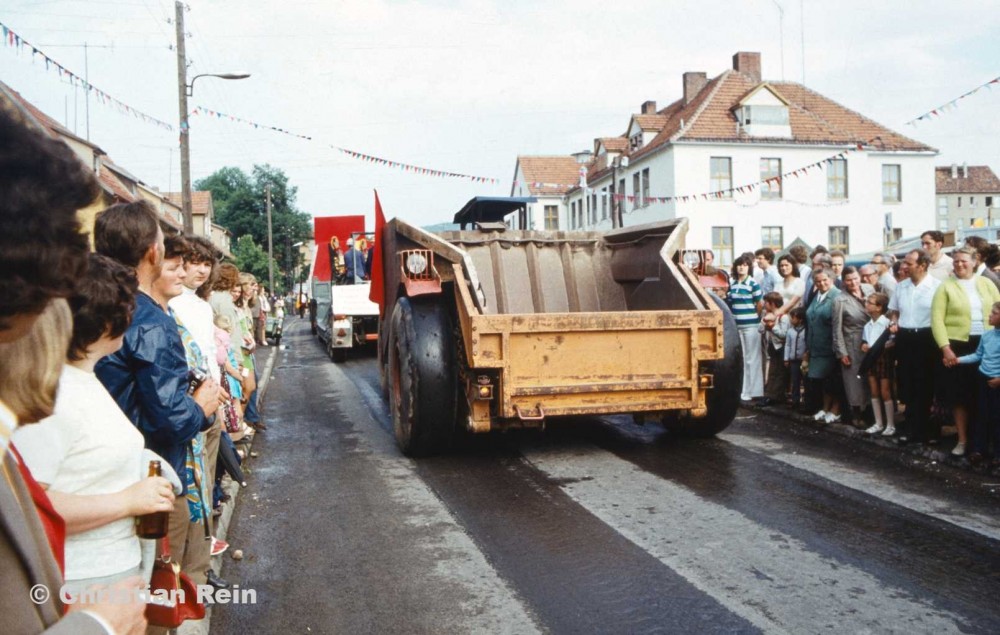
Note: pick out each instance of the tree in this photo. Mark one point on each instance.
(240, 207)
(251, 257)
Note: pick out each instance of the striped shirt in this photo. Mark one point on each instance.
(744, 296)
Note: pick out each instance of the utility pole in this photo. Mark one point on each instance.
(185, 138)
(270, 241)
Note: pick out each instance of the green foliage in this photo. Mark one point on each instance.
(240, 207)
(251, 257)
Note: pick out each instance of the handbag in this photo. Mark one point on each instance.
(173, 596)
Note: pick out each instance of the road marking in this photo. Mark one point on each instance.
(492, 606)
(767, 577)
(871, 483)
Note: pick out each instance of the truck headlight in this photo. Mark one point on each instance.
(416, 263)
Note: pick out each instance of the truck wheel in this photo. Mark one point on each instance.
(423, 389)
(329, 345)
(723, 400)
(339, 355)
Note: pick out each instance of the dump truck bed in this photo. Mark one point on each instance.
(569, 323)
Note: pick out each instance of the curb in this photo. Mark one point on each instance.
(935, 454)
(232, 488)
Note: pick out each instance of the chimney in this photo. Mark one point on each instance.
(748, 64)
(693, 83)
(965, 170)
(649, 108)
(954, 170)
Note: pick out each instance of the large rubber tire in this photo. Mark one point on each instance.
(339, 355)
(423, 378)
(329, 343)
(723, 401)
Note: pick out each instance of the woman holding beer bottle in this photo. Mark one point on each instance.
(88, 455)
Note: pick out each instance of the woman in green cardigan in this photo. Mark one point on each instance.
(959, 317)
(820, 357)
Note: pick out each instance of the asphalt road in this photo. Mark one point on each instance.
(596, 525)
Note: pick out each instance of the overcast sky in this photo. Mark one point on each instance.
(467, 85)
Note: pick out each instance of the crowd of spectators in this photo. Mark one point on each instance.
(863, 344)
(110, 362)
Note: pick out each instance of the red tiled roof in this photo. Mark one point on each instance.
(981, 180)
(50, 124)
(813, 118)
(562, 172)
(201, 201)
(113, 185)
(650, 122)
(614, 144)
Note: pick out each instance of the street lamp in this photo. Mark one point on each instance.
(185, 90)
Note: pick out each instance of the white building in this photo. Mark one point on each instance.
(751, 163)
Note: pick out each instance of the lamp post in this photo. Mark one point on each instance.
(185, 90)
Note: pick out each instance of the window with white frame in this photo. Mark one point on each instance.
(839, 239)
(773, 237)
(942, 205)
(892, 190)
(551, 217)
(593, 209)
(836, 179)
(721, 176)
(645, 187)
(770, 179)
(604, 203)
(636, 190)
(722, 246)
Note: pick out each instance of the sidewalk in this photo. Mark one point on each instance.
(267, 357)
(939, 453)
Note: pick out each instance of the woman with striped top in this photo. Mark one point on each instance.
(744, 298)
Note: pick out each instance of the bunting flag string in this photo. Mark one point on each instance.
(19, 44)
(717, 194)
(416, 169)
(951, 105)
(221, 115)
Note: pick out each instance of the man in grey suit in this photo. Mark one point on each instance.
(42, 253)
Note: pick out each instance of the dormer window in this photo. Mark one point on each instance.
(763, 115)
(635, 141)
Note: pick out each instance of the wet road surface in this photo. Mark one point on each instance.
(595, 525)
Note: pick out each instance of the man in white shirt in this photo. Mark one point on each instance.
(932, 242)
(916, 351)
(196, 314)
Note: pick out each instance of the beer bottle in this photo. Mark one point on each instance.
(153, 525)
